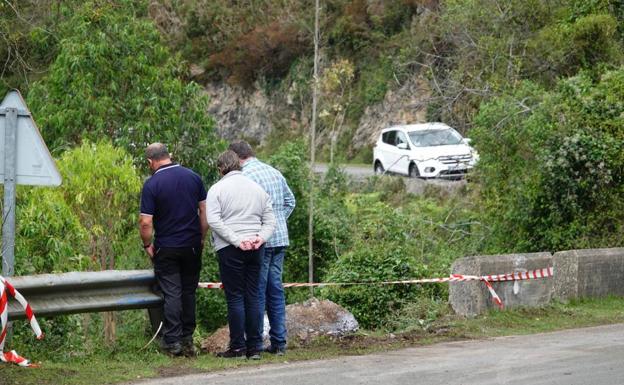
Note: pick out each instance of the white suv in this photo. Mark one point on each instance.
(428, 150)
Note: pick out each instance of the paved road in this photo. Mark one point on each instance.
(591, 356)
(359, 172)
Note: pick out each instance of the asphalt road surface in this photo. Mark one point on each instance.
(356, 171)
(591, 356)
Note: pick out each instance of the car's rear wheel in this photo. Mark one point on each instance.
(379, 170)
(413, 171)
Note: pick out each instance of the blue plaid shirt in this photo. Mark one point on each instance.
(274, 183)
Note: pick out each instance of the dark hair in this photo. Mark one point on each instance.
(228, 161)
(242, 149)
(157, 151)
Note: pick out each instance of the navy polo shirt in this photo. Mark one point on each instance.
(171, 196)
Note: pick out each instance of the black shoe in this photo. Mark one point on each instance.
(233, 353)
(254, 354)
(189, 350)
(174, 349)
(275, 350)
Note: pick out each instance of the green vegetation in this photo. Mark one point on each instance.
(113, 78)
(537, 84)
(553, 166)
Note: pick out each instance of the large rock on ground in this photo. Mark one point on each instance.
(304, 322)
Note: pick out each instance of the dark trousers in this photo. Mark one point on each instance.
(177, 274)
(240, 273)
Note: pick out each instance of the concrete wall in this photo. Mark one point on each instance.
(588, 273)
(472, 297)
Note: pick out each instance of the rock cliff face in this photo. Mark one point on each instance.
(250, 114)
(405, 105)
(240, 113)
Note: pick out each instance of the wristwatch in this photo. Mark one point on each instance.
(148, 245)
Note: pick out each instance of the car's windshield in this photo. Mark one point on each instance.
(426, 138)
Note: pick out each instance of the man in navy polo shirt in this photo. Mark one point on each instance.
(173, 208)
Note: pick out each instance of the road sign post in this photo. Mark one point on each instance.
(25, 160)
(8, 210)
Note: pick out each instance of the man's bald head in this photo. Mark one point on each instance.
(157, 152)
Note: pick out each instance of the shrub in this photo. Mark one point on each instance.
(267, 50)
(552, 165)
(49, 235)
(102, 187)
(566, 48)
(87, 223)
(351, 31)
(371, 304)
(416, 239)
(113, 78)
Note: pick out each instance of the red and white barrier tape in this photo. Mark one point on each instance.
(486, 279)
(12, 356)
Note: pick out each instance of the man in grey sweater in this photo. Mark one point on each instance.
(240, 214)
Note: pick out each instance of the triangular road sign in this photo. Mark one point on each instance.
(34, 163)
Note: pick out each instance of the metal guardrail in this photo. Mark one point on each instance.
(85, 292)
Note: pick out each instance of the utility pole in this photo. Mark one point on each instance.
(313, 148)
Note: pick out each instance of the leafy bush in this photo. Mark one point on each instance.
(483, 48)
(267, 50)
(101, 185)
(552, 167)
(351, 31)
(113, 78)
(87, 223)
(371, 304)
(50, 237)
(564, 49)
(418, 239)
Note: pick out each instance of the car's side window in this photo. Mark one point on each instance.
(401, 138)
(389, 137)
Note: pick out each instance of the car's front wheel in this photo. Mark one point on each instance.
(379, 170)
(413, 171)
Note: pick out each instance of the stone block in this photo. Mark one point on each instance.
(590, 273)
(472, 297)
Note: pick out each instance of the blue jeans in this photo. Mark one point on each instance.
(273, 299)
(240, 271)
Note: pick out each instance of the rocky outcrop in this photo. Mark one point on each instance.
(250, 114)
(404, 105)
(239, 113)
(304, 322)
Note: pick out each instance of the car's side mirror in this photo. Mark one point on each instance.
(467, 140)
(402, 146)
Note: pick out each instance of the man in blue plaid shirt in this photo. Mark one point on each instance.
(271, 288)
